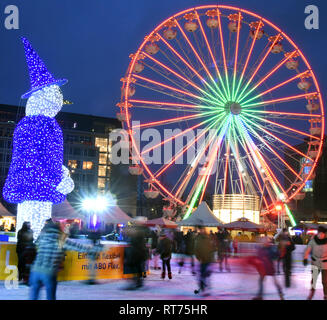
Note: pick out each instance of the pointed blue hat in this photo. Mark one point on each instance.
(40, 77)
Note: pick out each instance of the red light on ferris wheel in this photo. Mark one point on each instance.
(278, 207)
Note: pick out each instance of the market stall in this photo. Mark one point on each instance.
(66, 215)
(7, 219)
(244, 229)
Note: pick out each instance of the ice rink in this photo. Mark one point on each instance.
(240, 284)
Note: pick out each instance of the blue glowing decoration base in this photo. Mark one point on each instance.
(36, 212)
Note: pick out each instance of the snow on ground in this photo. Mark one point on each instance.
(240, 284)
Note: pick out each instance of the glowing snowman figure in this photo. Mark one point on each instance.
(37, 177)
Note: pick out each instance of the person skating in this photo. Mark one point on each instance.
(235, 247)
(154, 251)
(165, 248)
(223, 249)
(204, 252)
(264, 263)
(188, 243)
(180, 249)
(51, 245)
(317, 247)
(25, 250)
(286, 247)
(137, 255)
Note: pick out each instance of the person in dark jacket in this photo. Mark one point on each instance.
(267, 252)
(188, 250)
(51, 245)
(297, 239)
(165, 248)
(154, 252)
(286, 247)
(137, 254)
(180, 249)
(223, 243)
(204, 252)
(25, 250)
(74, 231)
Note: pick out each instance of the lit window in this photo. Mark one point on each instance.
(102, 158)
(101, 183)
(72, 164)
(87, 165)
(102, 171)
(102, 143)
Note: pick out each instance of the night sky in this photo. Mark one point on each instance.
(88, 42)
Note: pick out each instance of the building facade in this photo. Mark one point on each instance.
(87, 150)
(312, 204)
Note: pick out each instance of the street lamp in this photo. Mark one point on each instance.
(94, 206)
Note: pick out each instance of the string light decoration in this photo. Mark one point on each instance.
(37, 177)
(47, 101)
(40, 77)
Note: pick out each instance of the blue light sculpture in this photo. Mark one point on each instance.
(37, 177)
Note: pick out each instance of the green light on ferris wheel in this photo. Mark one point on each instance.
(289, 213)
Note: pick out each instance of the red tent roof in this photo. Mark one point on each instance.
(162, 222)
(244, 224)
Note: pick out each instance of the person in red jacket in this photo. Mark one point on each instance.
(267, 252)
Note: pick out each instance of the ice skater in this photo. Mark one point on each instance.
(204, 252)
(187, 251)
(264, 263)
(317, 247)
(165, 249)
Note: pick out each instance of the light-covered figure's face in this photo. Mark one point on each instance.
(47, 101)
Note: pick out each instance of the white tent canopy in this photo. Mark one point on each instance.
(4, 212)
(65, 211)
(115, 215)
(202, 216)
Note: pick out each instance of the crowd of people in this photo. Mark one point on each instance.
(40, 261)
(4, 228)
(270, 257)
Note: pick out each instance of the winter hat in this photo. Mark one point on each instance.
(40, 77)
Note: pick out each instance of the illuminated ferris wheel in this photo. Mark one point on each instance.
(224, 70)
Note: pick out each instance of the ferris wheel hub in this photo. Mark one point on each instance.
(233, 107)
